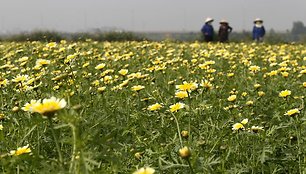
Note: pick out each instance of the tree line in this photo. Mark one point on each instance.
(296, 34)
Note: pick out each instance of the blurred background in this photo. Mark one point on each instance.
(152, 19)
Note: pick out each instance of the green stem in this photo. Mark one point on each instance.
(72, 163)
(178, 129)
(190, 166)
(162, 119)
(18, 169)
(189, 121)
(298, 135)
(56, 141)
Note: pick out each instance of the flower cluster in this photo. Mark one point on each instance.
(241, 126)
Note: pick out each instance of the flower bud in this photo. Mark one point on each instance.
(185, 152)
(185, 133)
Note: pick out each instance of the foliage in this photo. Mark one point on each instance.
(35, 36)
(108, 36)
(49, 36)
(271, 37)
(242, 110)
(298, 28)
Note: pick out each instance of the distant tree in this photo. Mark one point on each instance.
(272, 31)
(275, 37)
(298, 28)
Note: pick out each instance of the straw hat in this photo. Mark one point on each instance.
(209, 20)
(258, 20)
(223, 21)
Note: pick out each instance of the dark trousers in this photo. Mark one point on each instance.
(208, 38)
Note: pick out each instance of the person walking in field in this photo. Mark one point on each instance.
(258, 30)
(208, 30)
(224, 31)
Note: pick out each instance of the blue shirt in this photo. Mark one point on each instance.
(258, 32)
(207, 30)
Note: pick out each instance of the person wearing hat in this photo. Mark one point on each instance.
(224, 31)
(258, 30)
(208, 30)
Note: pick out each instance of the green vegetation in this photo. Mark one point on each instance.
(175, 107)
(54, 36)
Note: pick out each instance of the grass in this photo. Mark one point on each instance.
(107, 127)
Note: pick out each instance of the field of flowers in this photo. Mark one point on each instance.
(152, 107)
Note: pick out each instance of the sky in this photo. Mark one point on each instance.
(146, 15)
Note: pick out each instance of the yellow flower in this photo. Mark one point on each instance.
(1, 127)
(232, 98)
(100, 66)
(124, 83)
(283, 64)
(56, 87)
(177, 106)
(85, 64)
(256, 129)
(304, 84)
(187, 86)
(41, 62)
(303, 71)
(145, 170)
(238, 126)
(254, 68)
(137, 87)
(257, 85)
(69, 58)
(206, 64)
(15, 109)
(261, 93)
(272, 73)
(4, 82)
(249, 103)
(245, 121)
(273, 64)
(95, 83)
(47, 106)
(244, 94)
(230, 74)
(20, 78)
(2, 116)
(23, 59)
(185, 133)
(51, 44)
(206, 84)
(211, 71)
(210, 62)
(101, 89)
(138, 155)
(123, 72)
(185, 152)
(194, 60)
(285, 74)
(292, 112)
(28, 106)
(21, 150)
(171, 82)
(181, 94)
(107, 79)
(203, 66)
(155, 107)
(285, 93)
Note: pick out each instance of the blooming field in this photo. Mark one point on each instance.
(149, 107)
